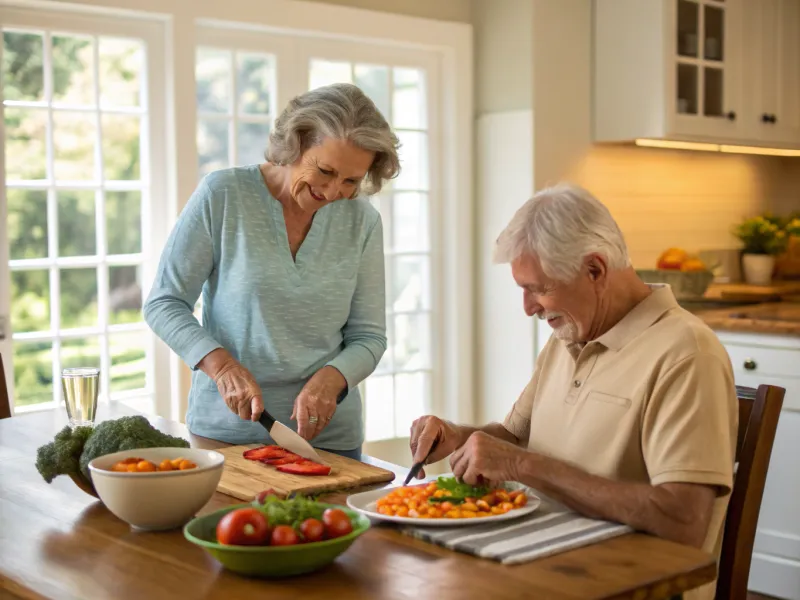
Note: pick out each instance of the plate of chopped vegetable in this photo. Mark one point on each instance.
(445, 502)
(274, 537)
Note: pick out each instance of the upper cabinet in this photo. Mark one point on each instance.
(697, 70)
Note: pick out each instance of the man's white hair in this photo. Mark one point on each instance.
(561, 225)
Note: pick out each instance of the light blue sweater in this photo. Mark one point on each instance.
(283, 319)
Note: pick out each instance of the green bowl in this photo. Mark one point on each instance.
(271, 561)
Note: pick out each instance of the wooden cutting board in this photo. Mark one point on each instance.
(244, 479)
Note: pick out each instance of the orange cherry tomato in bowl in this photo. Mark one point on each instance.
(284, 535)
(337, 523)
(243, 527)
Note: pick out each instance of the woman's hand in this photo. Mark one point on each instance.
(238, 388)
(316, 403)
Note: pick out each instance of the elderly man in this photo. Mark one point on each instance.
(631, 412)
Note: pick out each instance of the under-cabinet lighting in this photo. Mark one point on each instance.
(705, 147)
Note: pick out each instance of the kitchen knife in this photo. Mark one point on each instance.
(417, 466)
(289, 439)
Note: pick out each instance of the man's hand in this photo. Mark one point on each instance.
(486, 459)
(238, 388)
(428, 429)
(316, 403)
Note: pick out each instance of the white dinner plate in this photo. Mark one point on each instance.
(366, 504)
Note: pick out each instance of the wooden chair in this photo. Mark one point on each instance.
(759, 411)
(5, 401)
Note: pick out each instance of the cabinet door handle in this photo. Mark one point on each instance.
(750, 364)
(767, 118)
(731, 116)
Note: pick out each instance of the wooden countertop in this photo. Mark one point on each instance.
(58, 542)
(770, 318)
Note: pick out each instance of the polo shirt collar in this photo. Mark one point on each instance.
(642, 316)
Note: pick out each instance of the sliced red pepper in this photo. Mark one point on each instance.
(306, 467)
(283, 460)
(263, 452)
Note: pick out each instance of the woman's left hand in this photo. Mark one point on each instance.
(316, 403)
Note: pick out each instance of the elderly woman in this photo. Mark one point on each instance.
(289, 259)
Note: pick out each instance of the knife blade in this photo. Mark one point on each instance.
(417, 466)
(288, 438)
(291, 440)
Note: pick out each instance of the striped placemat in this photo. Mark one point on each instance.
(550, 529)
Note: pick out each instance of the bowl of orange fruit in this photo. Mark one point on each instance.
(685, 273)
(156, 489)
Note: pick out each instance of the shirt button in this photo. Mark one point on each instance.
(577, 383)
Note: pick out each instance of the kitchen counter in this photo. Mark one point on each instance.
(769, 318)
(59, 542)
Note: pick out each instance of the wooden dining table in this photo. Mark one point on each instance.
(56, 541)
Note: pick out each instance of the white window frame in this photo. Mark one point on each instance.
(152, 185)
(452, 44)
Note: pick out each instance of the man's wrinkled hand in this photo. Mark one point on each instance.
(425, 431)
(486, 459)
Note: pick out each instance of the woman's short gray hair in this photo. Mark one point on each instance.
(561, 225)
(339, 111)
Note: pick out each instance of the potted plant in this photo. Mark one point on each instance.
(763, 238)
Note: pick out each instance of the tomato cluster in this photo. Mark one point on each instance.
(251, 527)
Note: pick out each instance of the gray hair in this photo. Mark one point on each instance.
(339, 111)
(561, 225)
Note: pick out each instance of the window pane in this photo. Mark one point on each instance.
(412, 349)
(713, 47)
(213, 76)
(688, 27)
(411, 284)
(414, 161)
(324, 72)
(78, 298)
(128, 362)
(412, 391)
(410, 222)
(374, 82)
(124, 295)
(255, 81)
(80, 352)
(409, 99)
(121, 147)
(76, 223)
(25, 143)
(379, 399)
(33, 373)
(27, 223)
(30, 300)
(23, 73)
(121, 64)
(212, 145)
(73, 70)
(123, 222)
(687, 89)
(251, 142)
(714, 92)
(74, 137)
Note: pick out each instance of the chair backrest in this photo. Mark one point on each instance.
(5, 401)
(759, 411)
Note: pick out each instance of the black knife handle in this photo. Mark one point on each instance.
(267, 420)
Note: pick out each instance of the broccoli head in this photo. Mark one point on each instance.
(62, 455)
(125, 433)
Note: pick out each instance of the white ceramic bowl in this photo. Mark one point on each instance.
(162, 499)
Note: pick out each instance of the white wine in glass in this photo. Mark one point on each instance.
(80, 386)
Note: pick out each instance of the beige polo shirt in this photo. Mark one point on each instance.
(652, 400)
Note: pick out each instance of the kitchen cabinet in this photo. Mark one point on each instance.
(775, 360)
(718, 71)
(771, 29)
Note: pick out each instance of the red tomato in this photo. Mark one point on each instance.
(284, 535)
(243, 527)
(337, 523)
(313, 530)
